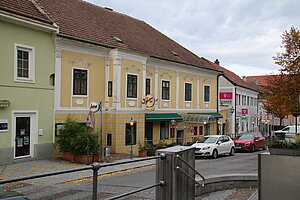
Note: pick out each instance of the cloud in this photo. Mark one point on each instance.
(242, 34)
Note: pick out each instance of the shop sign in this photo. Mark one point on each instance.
(244, 111)
(225, 98)
(3, 125)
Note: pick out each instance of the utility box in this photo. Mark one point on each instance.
(176, 170)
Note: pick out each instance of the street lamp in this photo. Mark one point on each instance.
(131, 135)
(173, 129)
(253, 125)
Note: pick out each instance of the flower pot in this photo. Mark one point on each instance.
(84, 159)
(68, 156)
(284, 152)
(143, 153)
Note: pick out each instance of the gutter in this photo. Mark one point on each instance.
(170, 60)
(85, 41)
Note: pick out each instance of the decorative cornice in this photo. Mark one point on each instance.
(134, 67)
(188, 77)
(82, 60)
(167, 74)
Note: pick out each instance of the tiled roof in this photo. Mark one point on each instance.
(261, 80)
(82, 20)
(233, 78)
(24, 9)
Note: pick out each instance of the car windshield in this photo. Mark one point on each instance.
(208, 140)
(246, 136)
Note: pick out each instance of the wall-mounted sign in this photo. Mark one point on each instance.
(225, 98)
(149, 101)
(94, 106)
(3, 125)
(244, 111)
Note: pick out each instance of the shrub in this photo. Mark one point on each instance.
(77, 139)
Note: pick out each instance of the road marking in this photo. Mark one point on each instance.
(107, 174)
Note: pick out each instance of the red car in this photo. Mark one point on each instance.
(250, 142)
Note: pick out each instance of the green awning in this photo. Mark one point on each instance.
(215, 114)
(156, 117)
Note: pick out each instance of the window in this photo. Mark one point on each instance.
(148, 86)
(164, 130)
(200, 130)
(165, 90)
(130, 139)
(188, 92)
(109, 139)
(248, 101)
(24, 63)
(206, 93)
(206, 129)
(109, 89)
(131, 86)
(239, 99)
(195, 130)
(80, 82)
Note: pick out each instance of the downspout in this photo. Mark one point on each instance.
(235, 112)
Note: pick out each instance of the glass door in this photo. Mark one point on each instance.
(22, 136)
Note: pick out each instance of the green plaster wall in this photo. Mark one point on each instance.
(38, 96)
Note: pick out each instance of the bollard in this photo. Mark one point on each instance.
(96, 167)
(178, 184)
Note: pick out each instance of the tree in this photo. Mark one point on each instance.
(289, 60)
(275, 103)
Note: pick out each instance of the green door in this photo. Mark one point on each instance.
(149, 132)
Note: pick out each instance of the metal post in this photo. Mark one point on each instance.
(131, 135)
(96, 167)
(100, 137)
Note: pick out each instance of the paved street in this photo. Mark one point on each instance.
(117, 183)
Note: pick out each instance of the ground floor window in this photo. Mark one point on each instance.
(130, 134)
(207, 129)
(164, 130)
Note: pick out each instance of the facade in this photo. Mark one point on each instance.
(238, 101)
(26, 82)
(136, 72)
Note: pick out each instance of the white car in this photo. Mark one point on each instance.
(214, 145)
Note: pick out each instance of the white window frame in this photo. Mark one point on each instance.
(204, 93)
(191, 92)
(162, 90)
(137, 87)
(31, 64)
(72, 82)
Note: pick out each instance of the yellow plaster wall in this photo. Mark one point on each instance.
(96, 77)
(164, 74)
(138, 70)
(213, 92)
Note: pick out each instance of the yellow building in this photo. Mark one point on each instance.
(136, 72)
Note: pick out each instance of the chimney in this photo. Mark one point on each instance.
(217, 62)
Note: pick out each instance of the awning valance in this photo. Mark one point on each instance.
(156, 117)
(201, 117)
(214, 114)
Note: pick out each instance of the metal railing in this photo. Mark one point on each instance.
(95, 167)
(189, 166)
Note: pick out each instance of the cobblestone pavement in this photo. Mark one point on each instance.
(231, 194)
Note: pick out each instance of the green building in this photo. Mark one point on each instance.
(27, 66)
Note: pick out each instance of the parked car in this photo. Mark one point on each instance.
(214, 145)
(288, 133)
(10, 195)
(250, 142)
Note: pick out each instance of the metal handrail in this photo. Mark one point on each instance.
(189, 176)
(161, 183)
(95, 167)
(196, 172)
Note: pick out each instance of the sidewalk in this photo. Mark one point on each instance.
(56, 164)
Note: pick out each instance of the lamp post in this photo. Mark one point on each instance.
(253, 126)
(173, 129)
(131, 135)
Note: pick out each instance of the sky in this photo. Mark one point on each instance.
(243, 35)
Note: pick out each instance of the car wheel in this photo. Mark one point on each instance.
(253, 148)
(231, 151)
(215, 154)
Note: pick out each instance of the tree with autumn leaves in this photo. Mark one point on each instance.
(282, 91)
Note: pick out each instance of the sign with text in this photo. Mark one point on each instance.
(225, 98)
(244, 111)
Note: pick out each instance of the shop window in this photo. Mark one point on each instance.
(164, 130)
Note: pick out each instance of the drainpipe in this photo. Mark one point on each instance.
(235, 112)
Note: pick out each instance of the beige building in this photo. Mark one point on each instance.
(137, 74)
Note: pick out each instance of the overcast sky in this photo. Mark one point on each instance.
(243, 34)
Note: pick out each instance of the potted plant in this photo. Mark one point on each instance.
(283, 147)
(143, 146)
(78, 143)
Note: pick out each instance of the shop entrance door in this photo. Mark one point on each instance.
(23, 129)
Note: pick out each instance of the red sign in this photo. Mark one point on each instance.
(244, 111)
(225, 95)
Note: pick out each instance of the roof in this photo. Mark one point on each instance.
(24, 9)
(259, 80)
(82, 20)
(233, 78)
